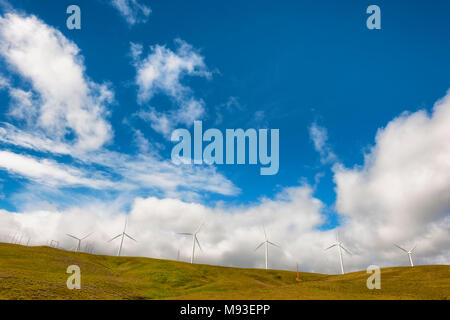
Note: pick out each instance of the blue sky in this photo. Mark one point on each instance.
(287, 65)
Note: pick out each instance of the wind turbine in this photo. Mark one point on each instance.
(340, 248)
(78, 239)
(56, 244)
(266, 243)
(408, 252)
(194, 240)
(123, 234)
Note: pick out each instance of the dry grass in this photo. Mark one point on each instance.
(39, 273)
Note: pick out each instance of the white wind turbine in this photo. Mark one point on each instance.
(408, 252)
(266, 243)
(340, 248)
(123, 234)
(76, 238)
(194, 240)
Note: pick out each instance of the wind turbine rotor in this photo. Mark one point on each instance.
(262, 243)
(72, 236)
(198, 243)
(87, 236)
(400, 248)
(345, 249)
(274, 244)
(130, 237)
(199, 228)
(115, 238)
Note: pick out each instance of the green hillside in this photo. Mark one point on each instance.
(39, 273)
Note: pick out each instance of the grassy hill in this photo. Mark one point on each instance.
(39, 273)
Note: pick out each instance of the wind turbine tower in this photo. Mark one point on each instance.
(407, 252)
(123, 235)
(76, 238)
(266, 244)
(340, 247)
(194, 241)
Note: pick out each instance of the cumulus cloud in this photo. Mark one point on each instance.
(61, 99)
(402, 192)
(162, 72)
(133, 11)
(229, 236)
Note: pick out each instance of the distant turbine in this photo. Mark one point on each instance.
(78, 239)
(123, 234)
(340, 246)
(56, 244)
(408, 252)
(266, 243)
(194, 241)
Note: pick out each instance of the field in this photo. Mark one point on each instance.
(40, 273)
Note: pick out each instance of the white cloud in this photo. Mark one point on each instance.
(145, 171)
(229, 236)
(292, 219)
(402, 192)
(133, 11)
(9, 134)
(4, 83)
(60, 100)
(67, 101)
(48, 172)
(319, 136)
(161, 72)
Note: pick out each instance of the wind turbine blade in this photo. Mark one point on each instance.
(131, 237)
(274, 244)
(72, 236)
(114, 238)
(259, 246)
(126, 221)
(413, 248)
(346, 250)
(265, 234)
(87, 236)
(185, 234)
(199, 228)
(198, 243)
(400, 248)
(334, 245)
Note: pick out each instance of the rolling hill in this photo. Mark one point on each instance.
(40, 273)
